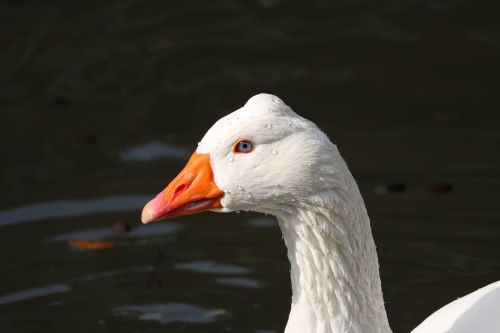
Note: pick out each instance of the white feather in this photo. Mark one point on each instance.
(298, 175)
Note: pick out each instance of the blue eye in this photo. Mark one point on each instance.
(243, 146)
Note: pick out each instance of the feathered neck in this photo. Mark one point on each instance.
(334, 267)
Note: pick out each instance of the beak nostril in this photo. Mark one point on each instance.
(179, 189)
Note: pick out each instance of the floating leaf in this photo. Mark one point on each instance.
(87, 244)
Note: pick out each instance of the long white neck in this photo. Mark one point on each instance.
(334, 267)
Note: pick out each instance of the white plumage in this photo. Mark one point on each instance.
(295, 173)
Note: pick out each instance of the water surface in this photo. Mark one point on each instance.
(101, 103)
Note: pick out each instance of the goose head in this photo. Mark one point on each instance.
(265, 158)
(262, 157)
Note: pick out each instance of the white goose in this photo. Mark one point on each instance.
(265, 158)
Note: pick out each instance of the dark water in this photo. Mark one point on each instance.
(101, 102)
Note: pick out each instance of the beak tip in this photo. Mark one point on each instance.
(146, 215)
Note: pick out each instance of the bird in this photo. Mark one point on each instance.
(265, 158)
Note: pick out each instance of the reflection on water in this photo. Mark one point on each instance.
(113, 273)
(101, 99)
(211, 267)
(71, 208)
(34, 293)
(240, 282)
(153, 151)
(171, 312)
(141, 231)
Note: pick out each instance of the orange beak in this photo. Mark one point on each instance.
(192, 191)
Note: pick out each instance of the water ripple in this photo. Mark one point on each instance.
(153, 151)
(71, 208)
(34, 293)
(240, 282)
(210, 267)
(142, 231)
(171, 312)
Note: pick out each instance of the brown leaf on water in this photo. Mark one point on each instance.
(87, 244)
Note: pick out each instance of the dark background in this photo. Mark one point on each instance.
(408, 90)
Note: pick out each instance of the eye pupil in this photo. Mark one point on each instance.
(244, 146)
